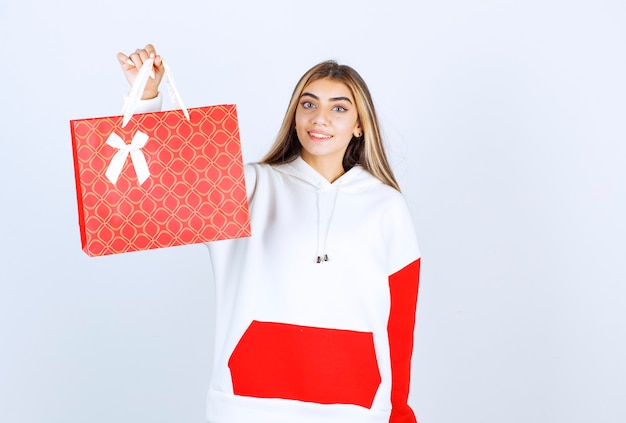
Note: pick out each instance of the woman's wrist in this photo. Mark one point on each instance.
(149, 94)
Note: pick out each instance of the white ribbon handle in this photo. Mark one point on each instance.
(136, 156)
(140, 84)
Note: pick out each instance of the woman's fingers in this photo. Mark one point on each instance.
(132, 63)
(150, 50)
(137, 58)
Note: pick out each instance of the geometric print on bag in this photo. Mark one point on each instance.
(195, 191)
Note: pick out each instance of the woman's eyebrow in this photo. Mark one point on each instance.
(308, 94)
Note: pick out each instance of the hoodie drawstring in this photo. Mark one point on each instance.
(322, 254)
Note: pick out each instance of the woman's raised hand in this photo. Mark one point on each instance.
(132, 63)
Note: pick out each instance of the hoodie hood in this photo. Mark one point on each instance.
(329, 195)
(355, 180)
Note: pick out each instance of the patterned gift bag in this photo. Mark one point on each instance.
(159, 179)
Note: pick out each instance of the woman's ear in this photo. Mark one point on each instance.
(358, 132)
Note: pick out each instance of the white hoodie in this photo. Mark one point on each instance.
(299, 340)
(302, 341)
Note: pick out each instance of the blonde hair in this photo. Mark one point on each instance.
(367, 150)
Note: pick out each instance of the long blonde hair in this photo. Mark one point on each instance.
(367, 150)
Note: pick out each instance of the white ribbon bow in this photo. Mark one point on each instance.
(134, 149)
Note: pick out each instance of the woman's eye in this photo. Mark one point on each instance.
(307, 105)
(339, 109)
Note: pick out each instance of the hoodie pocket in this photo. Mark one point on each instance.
(325, 366)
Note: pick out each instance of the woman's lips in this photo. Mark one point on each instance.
(319, 136)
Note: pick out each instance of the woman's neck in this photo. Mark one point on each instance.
(330, 170)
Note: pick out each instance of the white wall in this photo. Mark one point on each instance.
(506, 127)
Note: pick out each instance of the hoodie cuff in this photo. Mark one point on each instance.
(147, 106)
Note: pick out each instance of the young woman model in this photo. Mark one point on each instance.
(315, 311)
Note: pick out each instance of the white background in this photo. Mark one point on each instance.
(506, 127)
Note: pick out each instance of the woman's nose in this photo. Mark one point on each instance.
(320, 117)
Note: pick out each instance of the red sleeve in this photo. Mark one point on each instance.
(403, 286)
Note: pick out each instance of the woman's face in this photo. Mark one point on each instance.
(326, 121)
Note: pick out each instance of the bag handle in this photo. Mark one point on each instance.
(140, 84)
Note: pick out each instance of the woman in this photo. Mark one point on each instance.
(315, 311)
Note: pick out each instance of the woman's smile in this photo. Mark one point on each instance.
(319, 136)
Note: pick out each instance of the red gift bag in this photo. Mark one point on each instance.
(162, 179)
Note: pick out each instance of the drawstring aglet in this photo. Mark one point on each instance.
(319, 258)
